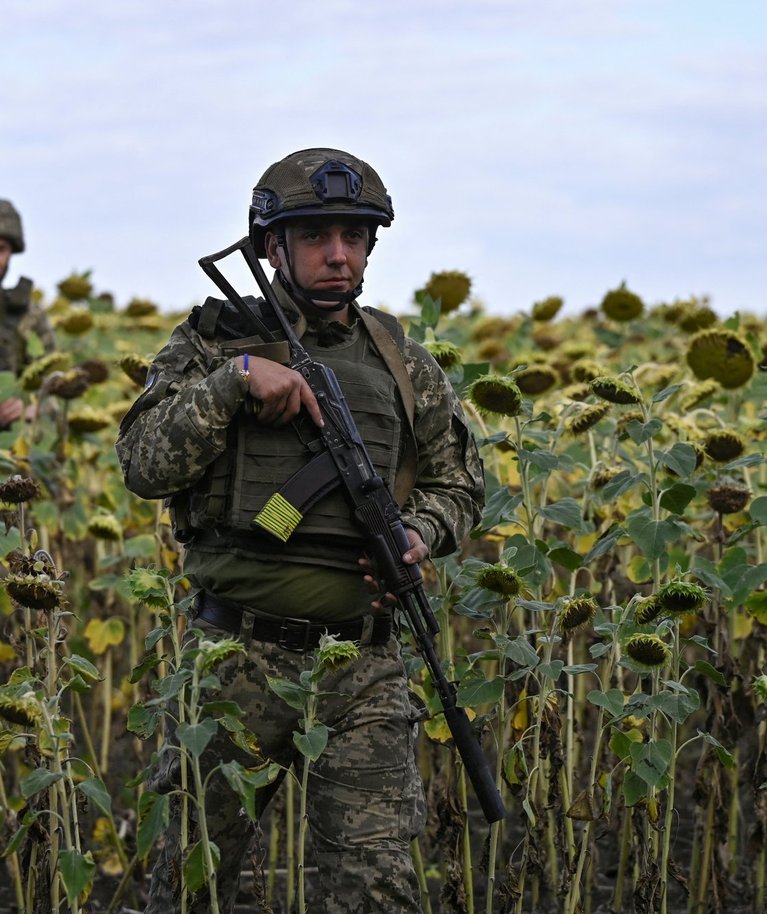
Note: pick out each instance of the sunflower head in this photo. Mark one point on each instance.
(728, 497)
(496, 395)
(105, 527)
(724, 445)
(136, 368)
(334, 655)
(76, 287)
(699, 393)
(35, 590)
(18, 489)
(576, 392)
(536, 379)
(20, 707)
(587, 418)
(681, 597)
(585, 370)
(67, 384)
(96, 370)
(547, 309)
(696, 317)
(89, 419)
(721, 354)
(35, 373)
(622, 305)
(450, 287)
(647, 609)
(647, 651)
(140, 307)
(76, 321)
(446, 354)
(576, 612)
(500, 579)
(614, 390)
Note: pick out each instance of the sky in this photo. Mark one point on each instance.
(544, 147)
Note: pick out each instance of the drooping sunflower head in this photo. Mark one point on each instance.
(76, 287)
(89, 419)
(587, 418)
(68, 384)
(647, 609)
(577, 392)
(576, 612)
(18, 489)
(622, 305)
(547, 309)
(728, 497)
(140, 307)
(500, 579)
(721, 354)
(334, 655)
(75, 321)
(135, 367)
(699, 393)
(446, 354)
(585, 370)
(615, 390)
(681, 597)
(536, 379)
(35, 590)
(105, 527)
(496, 395)
(96, 370)
(696, 317)
(450, 287)
(647, 651)
(35, 373)
(724, 445)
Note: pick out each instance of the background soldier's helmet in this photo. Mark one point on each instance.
(318, 182)
(10, 226)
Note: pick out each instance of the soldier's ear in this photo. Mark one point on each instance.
(272, 250)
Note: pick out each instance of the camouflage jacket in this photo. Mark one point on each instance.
(179, 425)
(20, 316)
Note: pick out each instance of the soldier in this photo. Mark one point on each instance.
(221, 425)
(19, 315)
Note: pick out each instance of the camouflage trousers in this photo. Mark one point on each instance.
(365, 798)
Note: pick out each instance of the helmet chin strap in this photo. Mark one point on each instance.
(308, 297)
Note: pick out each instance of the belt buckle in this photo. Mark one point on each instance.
(294, 635)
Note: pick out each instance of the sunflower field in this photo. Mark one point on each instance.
(606, 623)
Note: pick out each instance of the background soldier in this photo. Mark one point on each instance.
(19, 315)
(222, 424)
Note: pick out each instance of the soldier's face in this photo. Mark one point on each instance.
(5, 255)
(325, 255)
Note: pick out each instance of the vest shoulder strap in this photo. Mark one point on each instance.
(389, 337)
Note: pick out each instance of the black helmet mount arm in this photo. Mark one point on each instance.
(208, 265)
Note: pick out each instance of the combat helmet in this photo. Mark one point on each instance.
(10, 226)
(318, 182)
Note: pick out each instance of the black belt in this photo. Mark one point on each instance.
(297, 635)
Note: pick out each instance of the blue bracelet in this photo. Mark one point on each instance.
(245, 373)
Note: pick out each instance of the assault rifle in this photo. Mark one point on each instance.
(344, 461)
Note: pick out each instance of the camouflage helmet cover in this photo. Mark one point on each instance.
(10, 226)
(317, 182)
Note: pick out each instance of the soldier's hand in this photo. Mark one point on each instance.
(10, 410)
(280, 391)
(417, 552)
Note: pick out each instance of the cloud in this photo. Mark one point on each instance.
(543, 147)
